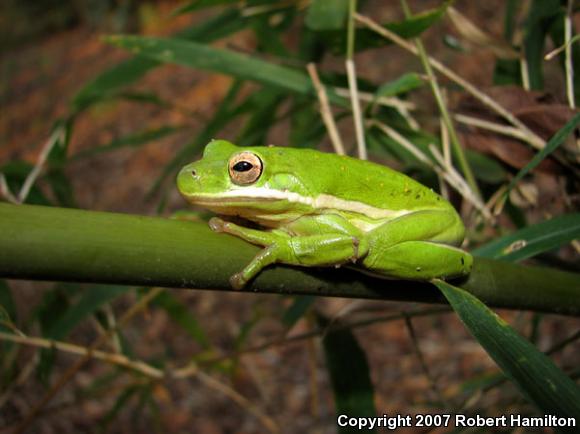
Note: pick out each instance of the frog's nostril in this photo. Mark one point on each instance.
(194, 173)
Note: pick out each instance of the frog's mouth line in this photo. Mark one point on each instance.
(320, 202)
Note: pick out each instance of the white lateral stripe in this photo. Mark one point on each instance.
(322, 201)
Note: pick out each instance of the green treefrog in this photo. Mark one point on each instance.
(320, 209)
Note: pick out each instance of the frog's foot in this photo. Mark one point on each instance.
(310, 251)
(237, 281)
(218, 225)
(355, 244)
(269, 255)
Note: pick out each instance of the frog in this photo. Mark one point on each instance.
(310, 208)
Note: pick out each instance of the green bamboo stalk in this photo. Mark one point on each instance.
(61, 244)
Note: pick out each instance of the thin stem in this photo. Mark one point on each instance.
(113, 358)
(423, 363)
(445, 142)
(561, 48)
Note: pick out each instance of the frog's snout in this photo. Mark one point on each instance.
(189, 171)
(188, 179)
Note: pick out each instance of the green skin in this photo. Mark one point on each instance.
(320, 209)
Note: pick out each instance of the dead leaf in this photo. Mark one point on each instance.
(538, 110)
(510, 151)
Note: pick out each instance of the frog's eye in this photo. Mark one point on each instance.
(245, 168)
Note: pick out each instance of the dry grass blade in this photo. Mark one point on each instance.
(561, 48)
(113, 358)
(568, 55)
(5, 190)
(54, 138)
(393, 134)
(388, 101)
(353, 86)
(356, 112)
(475, 35)
(490, 126)
(325, 110)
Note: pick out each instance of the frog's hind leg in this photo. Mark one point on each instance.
(420, 260)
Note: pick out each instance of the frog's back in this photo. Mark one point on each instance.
(351, 179)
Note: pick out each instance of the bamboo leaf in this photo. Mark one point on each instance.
(306, 127)
(182, 316)
(404, 83)
(201, 4)
(297, 309)
(221, 118)
(129, 71)
(327, 14)
(532, 240)
(134, 140)
(540, 381)
(538, 22)
(262, 112)
(201, 56)
(92, 299)
(418, 23)
(7, 305)
(349, 374)
(550, 147)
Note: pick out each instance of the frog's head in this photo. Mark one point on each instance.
(248, 182)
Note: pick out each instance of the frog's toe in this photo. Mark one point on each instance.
(237, 281)
(216, 224)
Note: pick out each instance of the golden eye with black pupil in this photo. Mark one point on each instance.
(245, 168)
(242, 166)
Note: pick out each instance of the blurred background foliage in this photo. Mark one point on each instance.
(109, 129)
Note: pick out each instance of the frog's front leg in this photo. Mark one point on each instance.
(280, 247)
